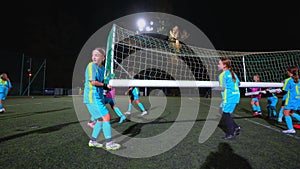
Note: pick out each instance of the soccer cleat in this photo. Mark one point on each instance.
(122, 118)
(237, 131)
(127, 113)
(279, 119)
(95, 144)
(91, 124)
(290, 131)
(144, 113)
(112, 146)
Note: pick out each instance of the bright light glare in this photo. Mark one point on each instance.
(148, 28)
(141, 23)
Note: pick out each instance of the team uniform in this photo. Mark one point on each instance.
(280, 114)
(109, 98)
(230, 99)
(272, 102)
(5, 85)
(292, 103)
(134, 94)
(255, 98)
(93, 95)
(95, 103)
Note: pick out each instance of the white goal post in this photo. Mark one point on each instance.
(154, 60)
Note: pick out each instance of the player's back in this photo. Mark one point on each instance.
(231, 92)
(293, 89)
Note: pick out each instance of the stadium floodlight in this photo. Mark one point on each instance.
(148, 28)
(141, 23)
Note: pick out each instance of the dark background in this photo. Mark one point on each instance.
(57, 30)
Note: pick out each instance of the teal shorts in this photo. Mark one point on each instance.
(3, 95)
(292, 104)
(97, 110)
(134, 97)
(255, 99)
(110, 101)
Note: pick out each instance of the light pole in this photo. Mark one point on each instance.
(29, 77)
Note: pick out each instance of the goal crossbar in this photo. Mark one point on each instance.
(183, 83)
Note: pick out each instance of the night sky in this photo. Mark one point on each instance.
(57, 30)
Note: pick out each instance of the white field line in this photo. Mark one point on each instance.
(254, 122)
(39, 103)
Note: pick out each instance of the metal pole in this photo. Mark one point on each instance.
(44, 80)
(29, 77)
(21, 79)
(33, 78)
(245, 73)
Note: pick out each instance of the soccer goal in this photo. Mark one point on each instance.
(155, 60)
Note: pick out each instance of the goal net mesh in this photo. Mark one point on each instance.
(153, 56)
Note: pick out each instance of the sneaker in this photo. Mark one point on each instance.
(255, 114)
(237, 131)
(290, 131)
(279, 119)
(127, 113)
(95, 144)
(259, 114)
(2, 110)
(91, 124)
(112, 146)
(122, 118)
(144, 113)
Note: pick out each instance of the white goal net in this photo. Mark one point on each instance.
(156, 60)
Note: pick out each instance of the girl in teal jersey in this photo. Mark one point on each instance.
(280, 115)
(229, 83)
(134, 95)
(94, 100)
(292, 102)
(5, 87)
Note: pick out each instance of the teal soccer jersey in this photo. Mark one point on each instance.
(231, 93)
(284, 86)
(134, 93)
(93, 73)
(4, 87)
(292, 101)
